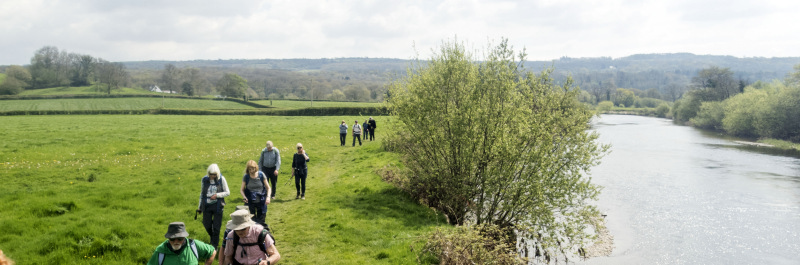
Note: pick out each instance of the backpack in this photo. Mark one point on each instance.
(191, 245)
(262, 195)
(260, 242)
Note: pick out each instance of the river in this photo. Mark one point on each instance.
(679, 195)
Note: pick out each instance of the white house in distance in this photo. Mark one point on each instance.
(155, 88)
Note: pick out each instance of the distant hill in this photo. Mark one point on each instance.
(640, 71)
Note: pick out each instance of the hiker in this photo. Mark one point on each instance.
(5, 260)
(270, 164)
(227, 231)
(213, 190)
(179, 250)
(343, 133)
(372, 127)
(365, 130)
(246, 244)
(356, 133)
(300, 171)
(255, 190)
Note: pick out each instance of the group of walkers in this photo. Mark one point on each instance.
(247, 228)
(247, 238)
(367, 129)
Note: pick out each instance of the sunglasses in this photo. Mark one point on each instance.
(179, 239)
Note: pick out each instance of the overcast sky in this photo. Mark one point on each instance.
(243, 29)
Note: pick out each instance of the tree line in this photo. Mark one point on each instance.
(53, 68)
(763, 109)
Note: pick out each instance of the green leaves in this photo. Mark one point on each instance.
(488, 142)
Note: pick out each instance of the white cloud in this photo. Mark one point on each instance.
(186, 30)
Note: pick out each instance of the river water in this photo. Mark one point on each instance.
(679, 195)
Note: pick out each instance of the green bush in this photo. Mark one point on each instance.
(741, 112)
(686, 107)
(605, 106)
(662, 110)
(710, 115)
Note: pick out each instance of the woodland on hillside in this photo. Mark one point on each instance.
(659, 76)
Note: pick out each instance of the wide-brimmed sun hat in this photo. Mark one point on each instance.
(240, 219)
(176, 230)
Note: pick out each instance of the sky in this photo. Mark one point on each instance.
(180, 30)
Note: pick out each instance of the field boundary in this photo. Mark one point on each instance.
(80, 96)
(321, 111)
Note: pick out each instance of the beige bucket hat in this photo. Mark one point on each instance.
(240, 219)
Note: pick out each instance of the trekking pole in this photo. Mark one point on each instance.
(289, 180)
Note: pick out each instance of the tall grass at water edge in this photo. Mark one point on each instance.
(102, 189)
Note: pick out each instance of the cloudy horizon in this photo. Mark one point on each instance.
(184, 30)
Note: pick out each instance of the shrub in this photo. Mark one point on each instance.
(605, 106)
(480, 244)
(710, 115)
(662, 110)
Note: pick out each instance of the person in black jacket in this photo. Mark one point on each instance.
(372, 127)
(300, 171)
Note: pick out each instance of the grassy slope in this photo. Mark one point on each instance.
(294, 104)
(83, 90)
(117, 104)
(145, 173)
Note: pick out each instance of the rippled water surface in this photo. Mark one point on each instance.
(677, 195)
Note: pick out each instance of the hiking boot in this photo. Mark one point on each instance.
(273, 197)
(297, 197)
(303, 197)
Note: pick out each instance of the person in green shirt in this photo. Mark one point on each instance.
(180, 250)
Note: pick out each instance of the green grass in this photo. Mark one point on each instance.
(296, 104)
(117, 104)
(101, 189)
(84, 90)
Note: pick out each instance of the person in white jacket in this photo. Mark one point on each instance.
(213, 190)
(356, 133)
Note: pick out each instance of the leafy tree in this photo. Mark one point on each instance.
(187, 89)
(45, 68)
(17, 79)
(715, 84)
(113, 75)
(605, 106)
(710, 115)
(662, 110)
(486, 139)
(741, 110)
(170, 78)
(793, 79)
(232, 85)
(686, 108)
(780, 118)
(83, 67)
(337, 95)
(624, 97)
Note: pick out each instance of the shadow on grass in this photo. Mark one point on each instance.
(391, 203)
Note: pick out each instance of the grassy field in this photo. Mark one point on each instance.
(101, 189)
(82, 91)
(295, 104)
(117, 104)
